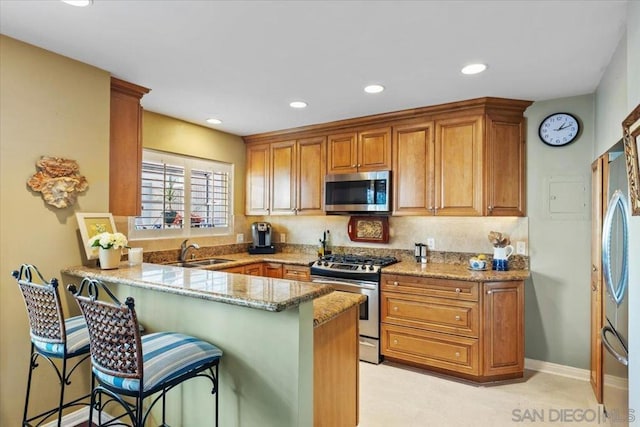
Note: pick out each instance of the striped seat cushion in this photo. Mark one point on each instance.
(77, 340)
(166, 356)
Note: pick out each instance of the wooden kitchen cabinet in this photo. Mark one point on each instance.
(271, 269)
(458, 166)
(254, 269)
(505, 165)
(125, 148)
(363, 151)
(296, 272)
(464, 158)
(503, 332)
(258, 179)
(413, 169)
(468, 329)
(286, 177)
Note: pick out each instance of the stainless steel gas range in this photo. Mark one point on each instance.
(357, 274)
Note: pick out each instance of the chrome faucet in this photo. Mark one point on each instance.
(184, 248)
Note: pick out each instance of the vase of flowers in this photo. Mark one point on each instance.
(109, 248)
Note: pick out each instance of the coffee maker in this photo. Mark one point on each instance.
(261, 235)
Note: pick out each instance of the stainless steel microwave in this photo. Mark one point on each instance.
(358, 192)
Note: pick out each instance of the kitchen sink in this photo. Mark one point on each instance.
(200, 263)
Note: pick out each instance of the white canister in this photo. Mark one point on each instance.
(135, 256)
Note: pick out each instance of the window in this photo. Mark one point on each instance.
(183, 196)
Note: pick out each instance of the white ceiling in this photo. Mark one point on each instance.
(244, 61)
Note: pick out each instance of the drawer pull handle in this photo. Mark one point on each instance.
(395, 308)
(395, 341)
(458, 290)
(457, 354)
(457, 317)
(395, 283)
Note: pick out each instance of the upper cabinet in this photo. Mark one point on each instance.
(505, 171)
(365, 151)
(286, 177)
(460, 159)
(125, 148)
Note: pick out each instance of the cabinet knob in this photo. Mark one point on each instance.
(395, 283)
(354, 166)
(395, 308)
(489, 292)
(395, 341)
(359, 165)
(458, 290)
(457, 354)
(594, 268)
(457, 317)
(490, 208)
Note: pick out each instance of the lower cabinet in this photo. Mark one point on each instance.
(296, 272)
(472, 330)
(271, 269)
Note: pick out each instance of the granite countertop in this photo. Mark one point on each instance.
(453, 271)
(332, 305)
(263, 293)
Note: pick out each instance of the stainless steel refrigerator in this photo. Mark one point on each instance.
(615, 264)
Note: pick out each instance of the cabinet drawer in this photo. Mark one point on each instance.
(459, 354)
(443, 288)
(296, 272)
(435, 314)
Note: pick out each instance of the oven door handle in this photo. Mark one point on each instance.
(340, 283)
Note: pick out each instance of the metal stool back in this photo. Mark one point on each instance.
(52, 336)
(118, 355)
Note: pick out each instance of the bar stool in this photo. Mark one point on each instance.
(126, 364)
(52, 337)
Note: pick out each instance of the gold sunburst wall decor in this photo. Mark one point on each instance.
(58, 180)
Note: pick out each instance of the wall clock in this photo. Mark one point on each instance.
(559, 129)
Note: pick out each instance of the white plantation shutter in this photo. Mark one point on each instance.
(183, 196)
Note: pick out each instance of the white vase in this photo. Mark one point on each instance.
(109, 258)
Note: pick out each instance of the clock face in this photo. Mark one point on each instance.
(559, 129)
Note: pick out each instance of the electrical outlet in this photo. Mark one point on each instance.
(283, 237)
(521, 248)
(240, 238)
(431, 242)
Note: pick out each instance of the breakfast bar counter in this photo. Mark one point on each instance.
(264, 326)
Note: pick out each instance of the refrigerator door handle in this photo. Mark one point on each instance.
(605, 340)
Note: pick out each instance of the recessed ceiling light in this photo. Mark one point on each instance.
(298, 104)
(79, 3)
(214, 121)
(374, 88)
(474, 68)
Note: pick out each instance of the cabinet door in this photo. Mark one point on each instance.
(342, 153)
(253, 269)
(505, 157)
(238, 269)
(503, 334)
(374, 150)
(311, 166)
(271, 269)
(258, 172)
(283, 178)
(125, 148)
(413, 162)
(458, 166)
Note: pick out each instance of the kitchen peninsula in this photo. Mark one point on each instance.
(265, 327)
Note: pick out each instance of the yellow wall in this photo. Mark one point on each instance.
(49, 105)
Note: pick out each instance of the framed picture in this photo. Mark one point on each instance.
(631, 137)
(91, 224)
(373, 229)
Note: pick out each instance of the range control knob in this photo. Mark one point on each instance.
(326, 264)
(371, 267)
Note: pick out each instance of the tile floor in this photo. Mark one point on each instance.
(393, 395)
